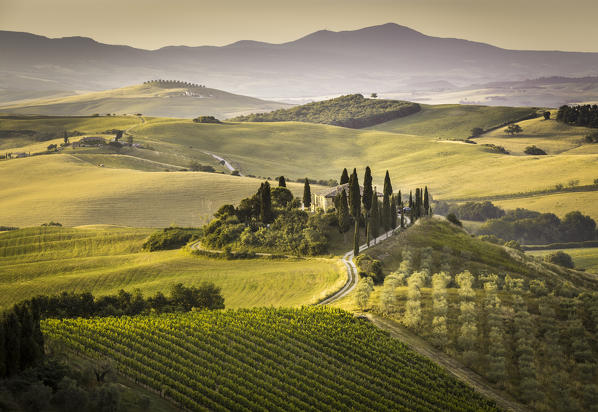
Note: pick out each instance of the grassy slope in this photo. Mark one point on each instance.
(551, 136)
(105, 259)
(583, 258)
(452, 121)
(74, 192)
(148, 99)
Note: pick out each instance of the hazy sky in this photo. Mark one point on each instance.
(150, 24)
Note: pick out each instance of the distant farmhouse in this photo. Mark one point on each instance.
(325, 201)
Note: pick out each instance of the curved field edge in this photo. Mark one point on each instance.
(266, 358)
(103, 260)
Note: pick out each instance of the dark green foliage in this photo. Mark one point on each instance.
(366, 199)
(355, 208)
(453, 219)
(371, 267)
(375, 218)
(495, 149)
(478, 211)
(546, 115)
(282, 182)
(342, 212)
(266, 215)
(534, 150)
(52, 224)
(281, 197)
(426, 210)
(352, 111)
(306, 194)
(170, 238)
(344, 177)
(579, 115)
(73, 305)
(206, 119)
(386, 214)
(560, 258)
(198, 167)
(592, 138)
(513, 129)
(119, 135)
(527, 226)
(476, 131)
(393, 212)
(52, 147)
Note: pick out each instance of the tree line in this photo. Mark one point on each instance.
(579, 115)
(353, 111)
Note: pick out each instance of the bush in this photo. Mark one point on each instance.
(368, 266)
(534, 150)
(52, 224)
(513, 244)
(453, 219)
(169, 238)
(560, 258)
(206, 119)
(478, 211)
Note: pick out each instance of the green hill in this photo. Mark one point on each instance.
(526, 326)
(352, 111)
(454, 121)
(156, 98)
(105, 259)
(270, 359)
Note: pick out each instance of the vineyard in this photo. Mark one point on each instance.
(269, 359)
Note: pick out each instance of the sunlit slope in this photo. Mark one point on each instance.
(450, 169)
(74, 192)
(551, 136)
(583, 258)
(148, 99)
(104, 259)
(38, 131)
(558, 203)
(453, 121)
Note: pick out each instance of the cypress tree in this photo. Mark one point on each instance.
(344, 177)
(306, 194)
(367, 200)
(402, 216)
(399, 199)
(393, 212)
(342, 213)
(282, 182)
(410, 199)
(355, 208)
(265, 203)
(2, 349)
(426, 202)
(386, 217)
(29, 353)
(417, 205)
(375, 217)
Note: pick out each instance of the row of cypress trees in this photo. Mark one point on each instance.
(21, 339)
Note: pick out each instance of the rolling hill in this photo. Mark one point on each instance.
(103, 259)
(155, 98)
(321, 63)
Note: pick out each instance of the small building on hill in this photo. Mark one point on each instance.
(325, 200)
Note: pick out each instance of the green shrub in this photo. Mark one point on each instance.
(560, 258)
(534, 150)
(169, 238)
(368, 266)
(206, 119)
(453, 219)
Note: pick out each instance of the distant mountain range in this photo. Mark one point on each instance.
(382, 58)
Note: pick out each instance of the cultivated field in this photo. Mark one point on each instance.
(104, 259)
(285, 359)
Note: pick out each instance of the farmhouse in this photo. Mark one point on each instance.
(325, 201)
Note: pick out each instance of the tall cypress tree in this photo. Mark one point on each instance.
(344, 176)
(375, 217)
(367, 201)
(282, 182)
(266, 215)
(393, 212)
(386, 217)
(342, 214)
(410, 199)
(2, 349)
(355, 208)
(399, 199)
(417, 205)
(426, 202)
(306, 194)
